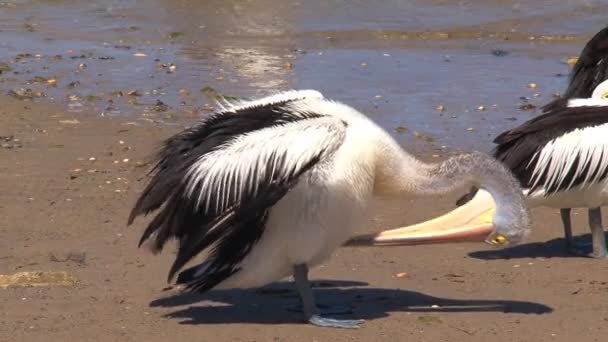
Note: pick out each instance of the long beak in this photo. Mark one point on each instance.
(469, 222)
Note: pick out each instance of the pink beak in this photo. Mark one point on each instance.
(471, 222)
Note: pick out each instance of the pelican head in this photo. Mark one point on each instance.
(475, 221)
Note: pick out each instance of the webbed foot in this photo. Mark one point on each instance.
(335, 323)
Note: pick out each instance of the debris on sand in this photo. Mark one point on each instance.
(37, 279)
(429, 319)
(160, 106)
(39, 79)
(176, 34)
(4, 67)
(69, 122)
(9, 142)
(424, 137)
(527, 106)
(571, 60)
(25, 93)
(499, 52)
(73, 85)
(76, 257)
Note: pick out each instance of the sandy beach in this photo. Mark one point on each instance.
(68, 183)
(88, 90)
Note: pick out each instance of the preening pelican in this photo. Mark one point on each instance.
(559, 157)
(271, 187)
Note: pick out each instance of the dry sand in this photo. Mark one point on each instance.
(54, 218)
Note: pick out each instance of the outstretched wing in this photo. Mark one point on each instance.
(557, 150)
(221, 199)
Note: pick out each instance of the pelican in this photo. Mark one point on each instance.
(557, 156)
(561, 160)
(269, 188)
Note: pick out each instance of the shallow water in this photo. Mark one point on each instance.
(395, 60)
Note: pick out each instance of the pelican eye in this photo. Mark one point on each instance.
(499, 239)
(605, 95)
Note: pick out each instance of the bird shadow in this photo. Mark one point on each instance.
(555, 248)
(268, 305)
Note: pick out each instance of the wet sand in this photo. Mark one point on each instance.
(396, 61)
(63, 211)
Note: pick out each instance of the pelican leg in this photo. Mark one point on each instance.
(582, 249)
(565, 213)
(311, 311)
(597, 233)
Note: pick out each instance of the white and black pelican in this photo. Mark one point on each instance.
(271, 187)
(560, 157)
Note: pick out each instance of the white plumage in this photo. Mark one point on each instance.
(273, 186)
(556, 160)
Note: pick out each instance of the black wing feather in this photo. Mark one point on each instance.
(590, 70)
(230, 232)
(517, 148)
(183, 149)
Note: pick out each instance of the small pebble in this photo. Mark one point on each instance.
(532, 85)
(571, 60)
(440, 108)
(92, 159)
(126, 160)
(481, 108)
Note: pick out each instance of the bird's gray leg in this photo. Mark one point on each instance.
(565, 213)
(311, 312)
(597, 233)
(571, 245)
